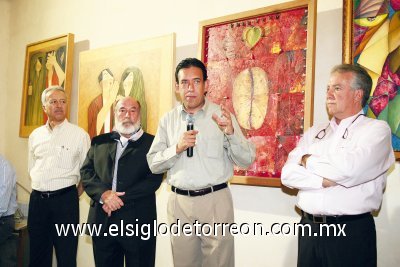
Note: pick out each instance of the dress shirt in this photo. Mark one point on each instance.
(56, 155)
(122, 143)
(8, 190)
(356, 154)
(213, 155)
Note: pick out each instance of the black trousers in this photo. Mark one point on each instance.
(356, 248)
(134, 241)
(44, 213)
(8, 248)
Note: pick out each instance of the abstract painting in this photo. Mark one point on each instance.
(260, 65)
(371, 39)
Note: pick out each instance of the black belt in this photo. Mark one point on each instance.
(334, 219)
(199, 192)
(49, 194)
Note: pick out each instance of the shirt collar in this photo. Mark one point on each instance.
(123, 140)
(345, 122)
(200, 112)
(60, 125)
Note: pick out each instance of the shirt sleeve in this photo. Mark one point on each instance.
(241, 151)
(84, 148)
(31, 159)
(7, 182)
(90, 180)
(370, 157)
(162, 156)
(296, 176)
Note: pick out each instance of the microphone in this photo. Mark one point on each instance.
(189, 127)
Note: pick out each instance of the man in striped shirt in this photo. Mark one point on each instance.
(56, 153)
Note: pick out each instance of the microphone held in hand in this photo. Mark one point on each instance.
(189, 127)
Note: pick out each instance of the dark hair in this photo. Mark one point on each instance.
(100, 78)
(191, 62)
(361, 79)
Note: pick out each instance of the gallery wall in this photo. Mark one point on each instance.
(102, 23)
(4, 48)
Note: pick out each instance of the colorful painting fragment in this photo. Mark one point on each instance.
(376, 47)
(257, 67)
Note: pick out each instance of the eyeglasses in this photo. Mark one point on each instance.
(321, 134)
(184, 84)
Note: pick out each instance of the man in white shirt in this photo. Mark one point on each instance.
(56, 153)
(341, 169)
(8, 206)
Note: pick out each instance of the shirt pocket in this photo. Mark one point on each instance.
(214, 148)
(67, 158)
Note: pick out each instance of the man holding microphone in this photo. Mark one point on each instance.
(198, 179)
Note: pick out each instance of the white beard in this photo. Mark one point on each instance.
(127, 128)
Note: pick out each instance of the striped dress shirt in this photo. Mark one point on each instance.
(56, 155)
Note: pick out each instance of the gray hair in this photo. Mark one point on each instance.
(50, 89)
(116, 107)
(361, 79)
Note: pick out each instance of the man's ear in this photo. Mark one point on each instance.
(206, 87)
(177, 88)
(358, 96)
(44, 108)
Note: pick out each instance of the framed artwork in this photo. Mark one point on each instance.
(141, 69)
(47, 63)
(371, 39)
(261, 65)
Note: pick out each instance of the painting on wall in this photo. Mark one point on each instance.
(261, 65)
(141, 69)
(47, 63)
(371, 39)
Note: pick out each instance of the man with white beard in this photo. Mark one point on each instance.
(122, 188)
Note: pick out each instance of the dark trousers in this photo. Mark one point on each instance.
(8, 248)
(137, 251)
(44, 213)
(357, 248)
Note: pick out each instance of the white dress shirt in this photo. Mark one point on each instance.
(356, 154)
(56, 155)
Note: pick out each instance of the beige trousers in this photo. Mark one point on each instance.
(210, 244)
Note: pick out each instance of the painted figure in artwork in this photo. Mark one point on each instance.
(36, 85)
(376, 48)
(132, 84)
(55, 66)
(100, 109)
(45, 69)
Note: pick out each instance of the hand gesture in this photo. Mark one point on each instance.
(224, 121)
(188, 139)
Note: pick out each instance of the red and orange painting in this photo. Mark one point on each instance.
(257, 66)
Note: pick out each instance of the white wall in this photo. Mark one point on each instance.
(99, 23)
(4, 52)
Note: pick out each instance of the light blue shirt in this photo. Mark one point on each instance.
(122, 143)
(8, 189)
